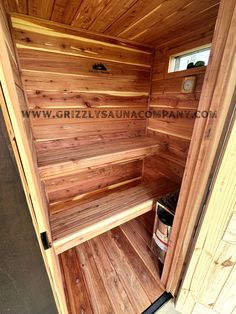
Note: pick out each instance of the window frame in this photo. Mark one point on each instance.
(172, 58)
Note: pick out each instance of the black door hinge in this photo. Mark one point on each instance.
(45, 241)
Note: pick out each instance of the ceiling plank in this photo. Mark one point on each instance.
(19, 6)
(164, 10)
(40, 8)
(203, 34)
(135, 13)
(191, 26)
(110, 13)
(196, 10)
(88, 12)
(152, 22)
(65, 10)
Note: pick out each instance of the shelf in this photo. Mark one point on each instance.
(76, 221)
(54, 163)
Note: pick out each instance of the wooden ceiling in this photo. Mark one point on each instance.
(145, 21)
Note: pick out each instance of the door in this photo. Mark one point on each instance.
(209, 285)
(25, 287)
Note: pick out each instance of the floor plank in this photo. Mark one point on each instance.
(99, 299)
(126, 274)
(142, 248)
(112, 282)
(145, 277)
(114, 272)
(75, 285)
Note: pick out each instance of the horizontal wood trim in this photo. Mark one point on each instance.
(88, 129)
(175, 101)
(182, 127)
(78, 140)
(65, 187)
(187, 72)
(70, 30)
(174, 85)
(41, 99)
(34, 81)
(50, 62)
(30, 35)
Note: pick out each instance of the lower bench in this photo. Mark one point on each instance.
(74, 222)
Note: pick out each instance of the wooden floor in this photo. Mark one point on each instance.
(114, 272)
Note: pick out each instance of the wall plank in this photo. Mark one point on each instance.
(92, 180)
(166, 97)
(56, 65)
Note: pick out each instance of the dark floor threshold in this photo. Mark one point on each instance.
(165, 297)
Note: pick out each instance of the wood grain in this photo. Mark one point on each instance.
(166, 97)
(154, 22)
(107, 264)
(78, 183)
(75, 222)
(56, 63)
(218, 94)
(74, 159)
(65, 11)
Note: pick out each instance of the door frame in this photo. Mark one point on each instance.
(217, 92)
(10, 103)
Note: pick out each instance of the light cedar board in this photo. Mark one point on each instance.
(217, 94)
(11, 107)
(210, 277)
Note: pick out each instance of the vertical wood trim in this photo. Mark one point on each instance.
(149, 101)
(49, 256)
(11, 107)
(35, 197)
(213, 260)
(216, 95)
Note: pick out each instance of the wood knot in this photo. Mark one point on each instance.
(227, 263)
(87, 104)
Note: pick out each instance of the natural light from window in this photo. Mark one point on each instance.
(193, 59)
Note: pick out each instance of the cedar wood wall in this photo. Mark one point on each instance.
(56, 69)
(166, 95)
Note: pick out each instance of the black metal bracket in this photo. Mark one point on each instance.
(45, 241)
(165, 297)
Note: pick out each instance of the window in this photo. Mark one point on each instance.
(195, 58)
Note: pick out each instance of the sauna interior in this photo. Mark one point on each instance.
(101, 178)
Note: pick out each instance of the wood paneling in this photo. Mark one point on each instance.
(152, 22)
(218, 94)
(211, 276)
(175, 129)
(65, 187)
(40, 9)
(181, 22)
(97, 273)
(56, 64)
(156, 166)
(65, 11)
